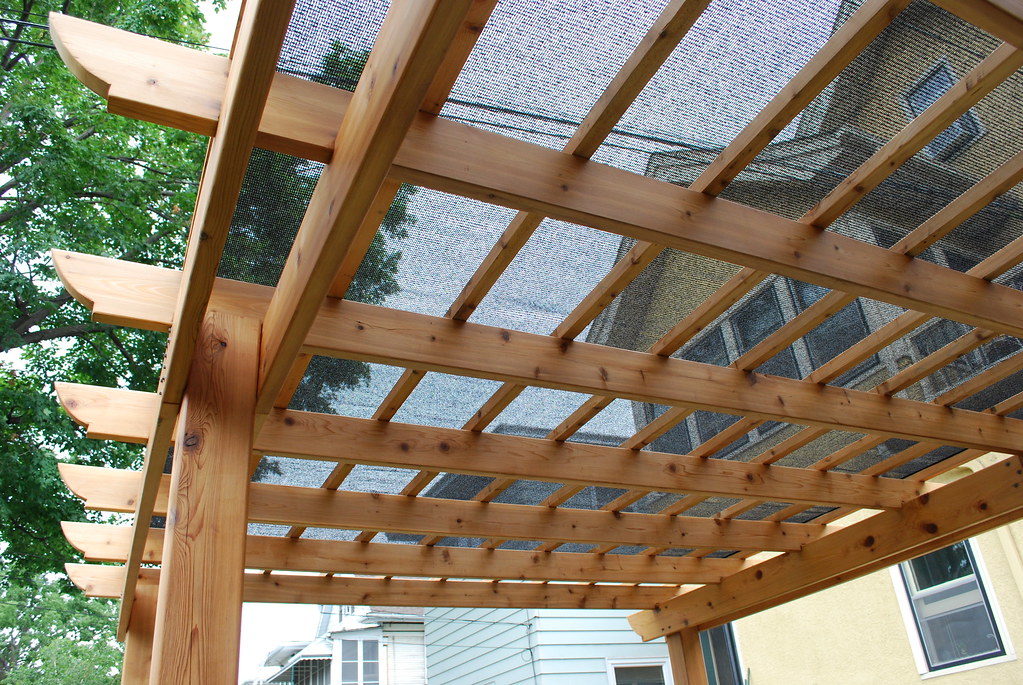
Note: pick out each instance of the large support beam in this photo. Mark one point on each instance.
(105, 543)
(404, 61)
(343, 439)
(198, 616)
(364, 332)
(302, 118)
(110, 490)
(138, 647)
(969, 506)
(102, 581)
(686, 655)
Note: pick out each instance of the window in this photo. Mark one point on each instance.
(964, 131)
(952, 619)
(360, 662)
(721, 656)
(753, 320)
(637, 671)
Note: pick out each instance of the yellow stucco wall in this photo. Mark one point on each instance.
(855, 634)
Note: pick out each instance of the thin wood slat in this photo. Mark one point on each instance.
(315, 507)
(108, 543)
(408, 53)
(973, 504)
(102, 581)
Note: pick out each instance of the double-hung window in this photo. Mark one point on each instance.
(953, 618)
(360, 662)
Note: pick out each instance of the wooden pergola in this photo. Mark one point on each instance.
(237, 351)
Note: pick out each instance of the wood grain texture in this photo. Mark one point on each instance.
(110, 490)
(454, 158)
(966, 507)
(198, 615)
(344, 439)
(686, 655)
(365, 332)
(1002, 18)
(108, 543)
(102, 581)
(408, 52)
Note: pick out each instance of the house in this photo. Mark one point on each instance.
(355, 646)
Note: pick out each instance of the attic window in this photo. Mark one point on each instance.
(962, 132)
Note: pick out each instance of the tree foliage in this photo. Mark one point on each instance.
(52, 636)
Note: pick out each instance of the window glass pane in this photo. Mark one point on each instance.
(350, 672)
(836, 334)
(349, 650)
(951, 610)
(941, 566)
(720, 656)
(756, 319)
(370, 650)
(962, 132)
(710, 349)
(639, 675)
(371, 670)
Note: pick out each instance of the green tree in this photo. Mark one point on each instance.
(74, 177)
(50, 636)
(270, 209)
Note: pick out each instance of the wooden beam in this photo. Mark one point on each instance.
(198, 614)
(966, 507)
(107, 543)
(1001, 18)
(138, 647)
(102, 581)
(338, 438)
(359, 331)
(436, 95)
(454, 158)
(686, 655)
(408, 52)
(110, 490)
(246, 87)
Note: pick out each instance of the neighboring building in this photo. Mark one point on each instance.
(355, 646)
(956, 612)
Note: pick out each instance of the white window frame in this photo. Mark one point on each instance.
(913, 631)
(612, 662)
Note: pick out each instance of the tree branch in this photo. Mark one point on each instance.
(72, 331)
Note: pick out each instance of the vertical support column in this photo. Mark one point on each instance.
(198, 615)
(138, 647)
(686, 654)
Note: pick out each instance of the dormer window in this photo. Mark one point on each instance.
(962, 132)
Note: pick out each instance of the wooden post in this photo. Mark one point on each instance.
(686, 654)
(138, 647)
(198, 615)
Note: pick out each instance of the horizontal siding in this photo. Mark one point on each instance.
(573, 646)
(477, 646)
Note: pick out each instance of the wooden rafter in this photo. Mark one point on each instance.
(106, 543)
(338, 438)
(359, 331)
(103, 581)
(247, 81)
(111, 490)
(969, 506)
(460, 159)
(408, 55)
